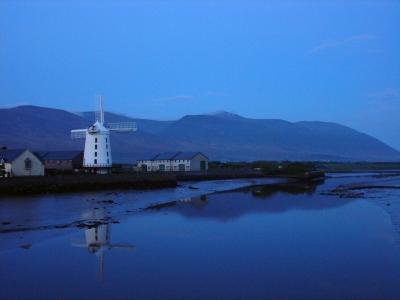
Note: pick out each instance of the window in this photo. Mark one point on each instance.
(95, 147)
(106, 140)
(28, 164)
(95, 140)
(95, 154)
(108, 161)
(95, 161)
(107, 154)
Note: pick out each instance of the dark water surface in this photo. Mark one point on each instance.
(265, 242)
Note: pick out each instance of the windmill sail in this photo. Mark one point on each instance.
(122, 126)
(99, 114)
(78, 133)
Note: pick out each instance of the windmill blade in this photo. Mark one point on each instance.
(122, 126)
(79, 245)
(78, 134)
(99, 114)
(122, 246)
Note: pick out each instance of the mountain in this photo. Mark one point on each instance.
(150, 126)
(38, 128)
(222, 136)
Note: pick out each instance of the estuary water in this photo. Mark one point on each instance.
(234, 239)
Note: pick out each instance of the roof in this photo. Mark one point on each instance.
(59, 155)
(146, 157)
(165, 155)
(187, 155)
(9, 155)
(174, 156)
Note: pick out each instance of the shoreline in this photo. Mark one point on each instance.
(72, 183)
(86, 211)
(115, 208)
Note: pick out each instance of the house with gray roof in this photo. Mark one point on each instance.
(174, 161)
(20, 162)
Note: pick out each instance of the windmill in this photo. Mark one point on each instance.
(97, 153)
(97, 239)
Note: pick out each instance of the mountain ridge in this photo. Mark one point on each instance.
(222, 136)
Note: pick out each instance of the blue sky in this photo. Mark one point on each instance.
(322, 60)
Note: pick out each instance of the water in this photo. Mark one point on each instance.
(265, 242)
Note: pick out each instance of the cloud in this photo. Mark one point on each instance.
(177, 98)
(379, 116)
(386, 94)
(339, 43)
(11, 105)
(216, 94)
(188, 98)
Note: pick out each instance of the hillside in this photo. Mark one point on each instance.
(222, 136)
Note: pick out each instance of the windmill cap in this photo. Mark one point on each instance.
(97, 127)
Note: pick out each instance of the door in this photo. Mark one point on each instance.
(181, 167)
(162, 168)
(203, 165)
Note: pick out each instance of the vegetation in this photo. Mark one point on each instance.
(357, 166)
(267, 167)
(290, 168)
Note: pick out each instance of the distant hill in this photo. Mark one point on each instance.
(222, 136)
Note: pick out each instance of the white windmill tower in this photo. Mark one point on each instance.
(97, 239)
(97, 153)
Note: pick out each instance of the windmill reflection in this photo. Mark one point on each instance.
(97, 239)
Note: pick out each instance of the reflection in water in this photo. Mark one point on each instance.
(235, 204)
(278, 243)
(97, 239)
(388, 200)
(266, 191)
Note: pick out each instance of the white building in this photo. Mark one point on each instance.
(175, 161)
(20, 162)
(97, 152)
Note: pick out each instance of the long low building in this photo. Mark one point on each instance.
(174, 161)
(61, 160)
